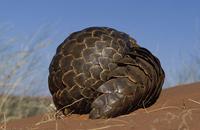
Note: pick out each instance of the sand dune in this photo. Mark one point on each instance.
(178, 108)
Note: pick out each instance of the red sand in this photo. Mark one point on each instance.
(178, 108)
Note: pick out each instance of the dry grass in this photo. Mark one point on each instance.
(21, 72)
(16, 107)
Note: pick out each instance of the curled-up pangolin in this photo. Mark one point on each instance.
(105, 73)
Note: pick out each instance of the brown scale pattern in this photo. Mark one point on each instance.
(104, 72)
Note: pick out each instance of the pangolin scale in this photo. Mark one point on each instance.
(103, 72)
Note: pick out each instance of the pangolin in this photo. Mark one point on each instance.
(103, 72)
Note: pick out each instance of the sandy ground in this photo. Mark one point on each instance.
(178, 108)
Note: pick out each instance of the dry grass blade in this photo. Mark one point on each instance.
(114, 120)
(194, 101)
(43, 122)
(162, 108)
(127, 115)
(68, 106)
(4, 124)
